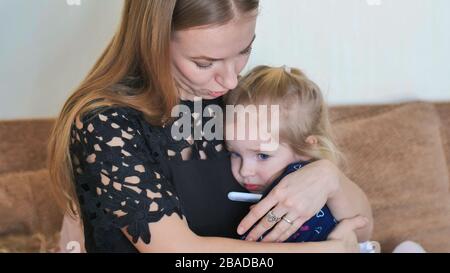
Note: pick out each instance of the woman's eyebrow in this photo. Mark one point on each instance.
(216, 60)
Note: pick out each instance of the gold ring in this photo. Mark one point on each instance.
(287, 220)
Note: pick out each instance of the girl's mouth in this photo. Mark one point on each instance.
(253, 187)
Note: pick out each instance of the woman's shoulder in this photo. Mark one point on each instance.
(112, 117)
(112, 113)
(110, 125)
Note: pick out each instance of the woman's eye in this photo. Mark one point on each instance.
(203, 65)
(247, 51)
(263, 156)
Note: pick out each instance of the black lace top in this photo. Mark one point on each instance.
(129, 173)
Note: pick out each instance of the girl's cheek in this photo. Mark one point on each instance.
(235, 168)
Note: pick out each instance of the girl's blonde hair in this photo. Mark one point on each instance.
(303, 111)
(134, 71)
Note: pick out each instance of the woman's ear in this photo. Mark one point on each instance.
(311, 140)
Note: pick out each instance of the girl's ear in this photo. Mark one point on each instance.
(311, 140)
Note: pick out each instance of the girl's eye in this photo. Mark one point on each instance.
(263, 156)
(233, 154)
(203, 66)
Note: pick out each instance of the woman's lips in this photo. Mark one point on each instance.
(217, 94)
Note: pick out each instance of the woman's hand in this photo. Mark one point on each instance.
(296, 198)
(345, 234)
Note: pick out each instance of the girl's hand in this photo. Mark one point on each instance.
(345, 234)
(296, 198)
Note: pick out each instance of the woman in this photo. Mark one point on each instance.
(113, 158)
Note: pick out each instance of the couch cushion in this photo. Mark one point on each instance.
(23, 144)
(36, 243)
(444, 113)
(396, 155)
(26, 204)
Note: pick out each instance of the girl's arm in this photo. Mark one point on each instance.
(347, 202)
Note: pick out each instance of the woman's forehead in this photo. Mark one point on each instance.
(217, 42)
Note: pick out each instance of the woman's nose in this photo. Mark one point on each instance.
(228, 78)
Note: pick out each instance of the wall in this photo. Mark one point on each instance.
(358, 51)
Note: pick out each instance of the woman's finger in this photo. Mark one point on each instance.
(266, 223)
(256, 213)
(354, 223)
(285, 225)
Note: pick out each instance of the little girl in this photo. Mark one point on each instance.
(303, 136)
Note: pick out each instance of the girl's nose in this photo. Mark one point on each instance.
(247, 170)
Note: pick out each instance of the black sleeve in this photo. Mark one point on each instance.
(117, 180)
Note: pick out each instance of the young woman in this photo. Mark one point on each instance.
(113, 158)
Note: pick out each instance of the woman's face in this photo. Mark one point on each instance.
(206, 61)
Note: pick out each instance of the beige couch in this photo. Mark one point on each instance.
(398, 154)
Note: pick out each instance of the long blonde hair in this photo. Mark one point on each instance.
(134, 71)
(303, 111)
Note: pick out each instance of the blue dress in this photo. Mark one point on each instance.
(315, 229)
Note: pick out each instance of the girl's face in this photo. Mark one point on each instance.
(254, 163)
(206, 61)
(255, 168)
